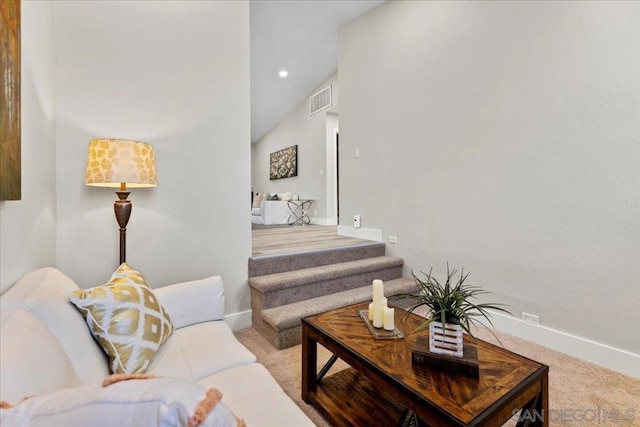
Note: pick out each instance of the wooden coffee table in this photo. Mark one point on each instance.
(382, 388)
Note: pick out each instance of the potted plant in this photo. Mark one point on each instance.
(451, 309)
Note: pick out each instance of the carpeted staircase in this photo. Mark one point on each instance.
(286, 288)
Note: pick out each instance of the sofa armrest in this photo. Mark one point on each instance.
(275, 212)
(193, 302)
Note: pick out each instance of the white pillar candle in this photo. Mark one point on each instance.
(378, 312)
(378, 315)
(378, 290)
(388, 319)
(371, 311)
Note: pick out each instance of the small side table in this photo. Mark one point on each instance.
(299, 211)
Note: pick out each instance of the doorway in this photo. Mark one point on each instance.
(332, 175)
(337, 169)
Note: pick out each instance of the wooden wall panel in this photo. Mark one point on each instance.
(10, 159)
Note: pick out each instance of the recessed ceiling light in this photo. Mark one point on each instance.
(283, 73)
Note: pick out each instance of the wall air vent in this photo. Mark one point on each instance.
(320, 101)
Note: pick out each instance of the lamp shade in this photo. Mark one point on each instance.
(112, 162)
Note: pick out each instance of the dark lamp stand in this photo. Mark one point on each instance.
(122, 208)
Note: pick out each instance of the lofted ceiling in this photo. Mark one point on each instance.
(300, 36)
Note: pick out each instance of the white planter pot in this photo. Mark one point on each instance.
(445, 340)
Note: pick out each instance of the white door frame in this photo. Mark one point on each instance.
(332, 174)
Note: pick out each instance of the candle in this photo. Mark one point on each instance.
(388, 319)
(371, 311)
(378, 290)
(378, 314)
(378, 304)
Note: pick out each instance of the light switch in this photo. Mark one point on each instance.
(357, 153)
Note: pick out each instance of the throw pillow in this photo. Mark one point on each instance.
(274, 197)
(124, 402)
(126, 319)
(257, 200)
(178, 299)
(285, 196)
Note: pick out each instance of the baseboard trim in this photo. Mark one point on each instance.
(360, 233)
(622, 361)
(322, 221)
(238, 320)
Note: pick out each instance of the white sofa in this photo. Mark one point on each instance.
(271, 212)
(46, 348)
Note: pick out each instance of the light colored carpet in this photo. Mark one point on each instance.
(580, 393)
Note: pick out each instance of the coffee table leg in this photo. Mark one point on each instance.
(309, 364)
(543, 400)
(536, 413)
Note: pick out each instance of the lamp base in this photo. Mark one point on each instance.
(122, 209)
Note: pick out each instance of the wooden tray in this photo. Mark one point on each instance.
(380, 333)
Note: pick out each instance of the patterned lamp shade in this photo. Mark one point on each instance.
(114, 161)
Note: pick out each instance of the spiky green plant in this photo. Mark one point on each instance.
(450, 303)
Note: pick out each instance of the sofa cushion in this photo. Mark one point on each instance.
(193, 302)
(253, 395)
(258, 198)
(32, 359)
(126, 319)
(199, 350)
(44, 294)
(158, 402)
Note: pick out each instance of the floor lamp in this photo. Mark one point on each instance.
(121, 163)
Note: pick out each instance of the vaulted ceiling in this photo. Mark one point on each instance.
(300, 36)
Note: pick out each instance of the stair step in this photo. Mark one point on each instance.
(291, 279)
(264, 265)
(292, 286)
(281, 325)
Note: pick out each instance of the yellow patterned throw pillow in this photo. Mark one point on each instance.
(126, 319)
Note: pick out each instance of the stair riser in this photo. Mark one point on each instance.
(280, 340)
(312, 290)
(262, 266)
(282, 337)
(257, 305)
(280, 319)
(288, 337)
(292, 279)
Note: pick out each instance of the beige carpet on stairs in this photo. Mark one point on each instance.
(576, 388)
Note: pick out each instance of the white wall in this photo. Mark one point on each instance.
(28, 225)
(309, 133)
(174, 74)
(503, 137)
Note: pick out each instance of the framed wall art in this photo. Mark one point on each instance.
(284, 163)
(10, 160)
